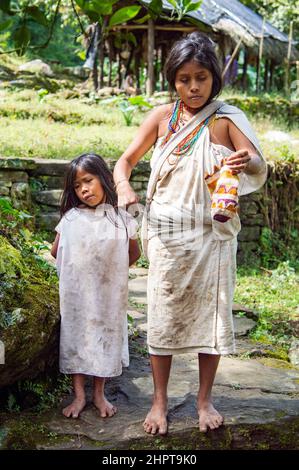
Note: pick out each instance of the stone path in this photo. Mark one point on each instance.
(260, 403)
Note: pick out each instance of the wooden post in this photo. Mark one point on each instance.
(286, 83)
(101, 62)
(118, 69)
(150, 83)
(266, 75)
(137, 68)
(244, 73)
(110, 53)
(163, 58)
(259, 61)
(272, 67)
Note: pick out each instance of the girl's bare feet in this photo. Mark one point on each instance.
(74, 409)
(106, 409)
(209, 417)
(156, 420)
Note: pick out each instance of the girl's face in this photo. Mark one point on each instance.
(88, 188)
(193, 83)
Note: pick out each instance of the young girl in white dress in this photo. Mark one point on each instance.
(94, 246)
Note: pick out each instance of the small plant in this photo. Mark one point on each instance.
(128, 106)
(42, 93)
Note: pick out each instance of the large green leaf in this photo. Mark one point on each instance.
(102, 7)
(21, 38)
(5, 25)
(124, 14)
(156, 6)
(37, 15)
(5, 5)
(192, 6)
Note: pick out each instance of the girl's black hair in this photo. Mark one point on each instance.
(94, 164)
(199, 48)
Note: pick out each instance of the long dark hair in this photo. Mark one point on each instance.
(197, 47)
(94, 164)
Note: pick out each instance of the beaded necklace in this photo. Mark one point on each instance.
(187, 143)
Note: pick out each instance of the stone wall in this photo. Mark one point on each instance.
(36, 185)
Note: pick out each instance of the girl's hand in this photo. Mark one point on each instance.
(238, 161)
(126, 194)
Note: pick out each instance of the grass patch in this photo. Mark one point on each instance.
(275, 295)
(60, 128)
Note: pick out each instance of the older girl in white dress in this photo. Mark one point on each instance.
(206, 155)
(94, 246)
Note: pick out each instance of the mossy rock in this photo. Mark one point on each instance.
(29, 315)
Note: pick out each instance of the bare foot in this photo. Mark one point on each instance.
(209, 418)
(156, 420)
(75, 408)
(106, 409)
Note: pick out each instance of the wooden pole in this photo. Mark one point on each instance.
(244, 73)
(118, 69)
(266, 75)
(272, 67)
(287, 69)
(260, 57)
(150, 83)
(101, 62)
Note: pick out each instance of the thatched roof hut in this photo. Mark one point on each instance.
(234, 20)
(229, 23)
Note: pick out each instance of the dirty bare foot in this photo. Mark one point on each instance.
(156, 420)
(106, 409)
(209, 417)
(74, 409)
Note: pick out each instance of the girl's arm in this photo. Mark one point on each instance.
(245, 158)
(146, 137)
(55, 246)
(134, 251)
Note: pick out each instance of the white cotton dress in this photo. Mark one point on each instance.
(92, 264)
(192, 258)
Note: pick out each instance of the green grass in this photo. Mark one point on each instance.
(61, 128)
(275, 295)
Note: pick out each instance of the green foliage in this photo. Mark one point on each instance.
(124, 14)
(38, 395)
(128, 106)
(274, 294)
(182, 7)
(13, 226)
(274, 250)
(271, 106)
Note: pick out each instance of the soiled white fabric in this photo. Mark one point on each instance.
(92, 263)
(192, 259)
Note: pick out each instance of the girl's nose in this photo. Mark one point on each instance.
(194, 86)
